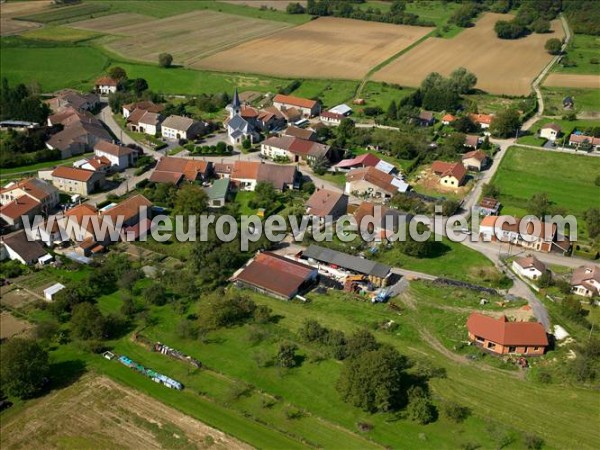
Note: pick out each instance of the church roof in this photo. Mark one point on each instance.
(237, 123)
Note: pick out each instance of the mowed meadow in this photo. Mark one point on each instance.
(323, 48)
(567, 179)
(502, 66)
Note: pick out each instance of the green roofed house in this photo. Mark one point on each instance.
(217, 193)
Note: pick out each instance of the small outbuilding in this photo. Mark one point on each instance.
(51, 291)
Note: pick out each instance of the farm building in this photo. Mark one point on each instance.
(586, 281)
(451, 174)
(475, 160)
(295, 149)
(308, 108)
(300, 133)
(276, 275)
(529, 267)
(51, 291)
(77, 181)
(540, 236)
(324, 202)
(120, 157)
(501, 337)
(173, 170)
(70, 98)
(178, 127)
(79, 135)
(550, 131)
(326, 260)
(106, 85)
(342, 109)
(365, 160)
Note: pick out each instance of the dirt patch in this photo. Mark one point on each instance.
(280, 5)
(323, 48)
(96, 412)
(16, 297)
(502, 66)
(10, 326)
(8, 12)
(188, 37)
(522, 314)
(574, 81)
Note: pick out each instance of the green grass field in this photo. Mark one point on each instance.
(61, 34)
(19, 172)
(567, 127)
(584, 51)
(567, 179)
(586, 100)
(67, 14)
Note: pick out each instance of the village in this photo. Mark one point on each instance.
(272, 342)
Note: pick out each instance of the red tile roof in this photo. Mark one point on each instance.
(503, 332)
(443, 169)
(448, 118)
(531, 261)
(323, 201)
(482, 118)
(112, 149)
(479, 155)
(19, 207)
(189, 168)
(368, 159)
(128, 208)
(373, 176)
(106, 81)
(72, 173)
(294, 101)
(276, 274)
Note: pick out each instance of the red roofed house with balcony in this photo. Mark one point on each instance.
(308, 108)
(451, 174)
(276, 275)
(502, 337)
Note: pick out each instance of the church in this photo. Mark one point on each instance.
(242, 122)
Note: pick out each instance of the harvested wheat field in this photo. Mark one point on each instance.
(8, 11)
(574, 81)
(502, 66)
(96, 412)
(120, 24)
(323, 48)
(188, 37)
(280, 5)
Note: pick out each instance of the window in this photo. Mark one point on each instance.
(512, 349)
(535, 349)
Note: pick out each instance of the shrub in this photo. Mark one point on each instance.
(455, 412)
(533, 441)
(165, 60)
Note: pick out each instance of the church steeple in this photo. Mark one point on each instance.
(236, 100)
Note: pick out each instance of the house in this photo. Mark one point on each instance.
(18, 248)
(270, 118)
(144, 121)
(222, 170)
(379, 220)
(550, 131)
(483, 120)
(306, 107)
(448, 119)
(106, 85)
(488, 206)
(77, 181)
(471, 141)
(145, 105)
(291, 115)
(338, 263)
(300, 133)
(475, 160)
(95, 163)
(133, 215)
(179, 127)
(173, 170)
(242, 122)
(295, 149)
(586, 281)
(371, 182)
(324, 202)
(451, 174)
(120, 157)
(27, 197)
(331, 118)
(501, 337)
(51, 291)
(365, 160)
(342, 109)
(78, 222)
(276, 275)
(70, 98)
(425, 118)
(78, 136)
(247, 174)
(218, 192)
(68, 115)
(576, 140)
(49, 232)
(529, 267)
(536, 235)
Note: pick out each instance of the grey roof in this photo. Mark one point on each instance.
(30, 251)
(179, 123)
(354, 263)
(236, 99)
(237, 123)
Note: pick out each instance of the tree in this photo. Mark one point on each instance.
(117, 73)
(420, 409)
(375, 381)
(455, 412)
(553, 46)
(319, 164)
(392, 112)
(539, 204)
(295, 8)
(506, 123)
(139, 85)
(87, 322)
(359, 342)
(155, 294)
(463, 80)
(592, 220)
(246, 144)
(541, 26)
(533, 441)
(464, 124)
(165, 60)
(191, 200)
(24, 367)
(449, 206)
(490, 190)
(510, 30)
(286, 355)
(265, 196)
